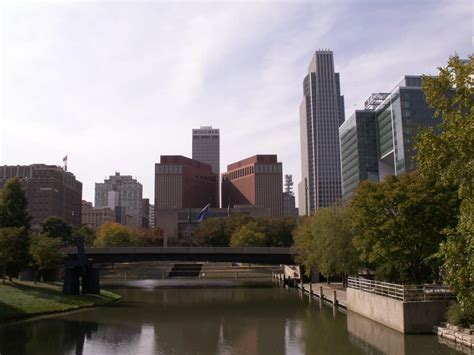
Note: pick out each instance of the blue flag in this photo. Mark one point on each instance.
(203, 214)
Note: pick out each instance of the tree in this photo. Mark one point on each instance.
(398, 225)
(57, 227)
(325, 241)
(278, 231)
(247, 236)
(86, 233)
(112, 235)
(211, 232)
(147, 237)
(449, 157)
(45, 253)
(13, 205)
(14, 246)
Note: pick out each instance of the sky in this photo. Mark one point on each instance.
(114, 85)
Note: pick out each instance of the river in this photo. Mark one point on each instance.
(157, 317)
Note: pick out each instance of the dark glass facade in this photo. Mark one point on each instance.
(359, 159)
(380, 142)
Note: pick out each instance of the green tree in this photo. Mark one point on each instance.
(247, 236)
(325, 241)
(13, 205)
(86, 233)
(57, 227)
(211, 232)
(277, 230)
(449, 158)
(398, 225)
(146, 237)
(113, 235)
(14, 246)
(45, 253)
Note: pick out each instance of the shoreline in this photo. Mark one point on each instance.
(23, 300)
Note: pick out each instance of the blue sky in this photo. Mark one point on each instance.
(117, 84)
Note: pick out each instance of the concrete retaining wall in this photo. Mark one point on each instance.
(405, 317)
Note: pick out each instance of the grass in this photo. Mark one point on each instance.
(20, 299)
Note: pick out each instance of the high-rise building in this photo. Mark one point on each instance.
(124, 194)
(206, 145)
(254, 181)
(321, 114)
(379, 140)
(358, 142)
(181, 182)
(146, 213)
(50, 190)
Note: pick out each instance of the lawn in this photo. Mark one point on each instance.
(21, 299)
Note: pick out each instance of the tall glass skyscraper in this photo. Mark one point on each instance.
(321, 114)
(379, 140)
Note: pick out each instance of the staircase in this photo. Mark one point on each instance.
(185, 270)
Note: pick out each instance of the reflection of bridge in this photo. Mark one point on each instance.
(261, 255)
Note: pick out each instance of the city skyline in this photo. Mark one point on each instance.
(115, 95)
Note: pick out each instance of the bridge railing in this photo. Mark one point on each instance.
(184, 250)
(405, 293)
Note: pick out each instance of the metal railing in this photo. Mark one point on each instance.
(405, 293)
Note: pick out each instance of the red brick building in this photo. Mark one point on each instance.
(182, 182)
(50, 191)
(256, 181)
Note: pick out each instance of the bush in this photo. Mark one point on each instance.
(455, 315)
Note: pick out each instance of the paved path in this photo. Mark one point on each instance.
(328, 290)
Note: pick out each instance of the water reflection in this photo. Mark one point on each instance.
(209, 321)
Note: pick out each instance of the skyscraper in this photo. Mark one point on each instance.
(321, 114)
(379, 140)
(123, 193)
(206, 145)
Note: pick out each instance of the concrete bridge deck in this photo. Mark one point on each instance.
(262, 255)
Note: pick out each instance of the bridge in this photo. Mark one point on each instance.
(256, 255)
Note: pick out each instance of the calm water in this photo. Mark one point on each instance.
(153, 320)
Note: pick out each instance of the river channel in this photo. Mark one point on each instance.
(161, 318)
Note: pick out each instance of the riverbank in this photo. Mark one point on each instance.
(22, 299)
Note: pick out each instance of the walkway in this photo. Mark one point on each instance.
(328, 290)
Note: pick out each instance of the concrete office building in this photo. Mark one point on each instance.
(321, 114)
(181, 182)
(151, 216)
(94, 217)
(146, 213)
(254, 181)
(124, 194)
(379, 140)
(289, 204)
(206, 147)
(50, 190)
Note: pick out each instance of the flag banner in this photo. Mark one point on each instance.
(65, 158)
(203, 214)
